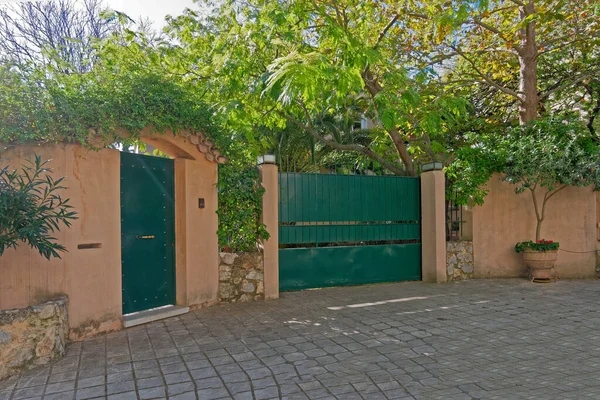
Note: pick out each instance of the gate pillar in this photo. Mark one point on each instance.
(270, 217)
(433, 224)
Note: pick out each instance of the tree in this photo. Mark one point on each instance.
(31, 30)
(541, 159)
(527, 51)
(31, 208)
(301, 64)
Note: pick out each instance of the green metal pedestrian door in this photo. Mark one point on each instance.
(147, 232)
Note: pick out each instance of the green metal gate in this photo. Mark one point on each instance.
(337, 230)
(147, 232)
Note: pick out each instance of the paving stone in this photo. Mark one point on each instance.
(212, 393)
(238, 387)
(209, 383)
(492, 339)
(28, 392)
(173, 368)
(244, 396)
(235, 377)
(152, 393)
(146, 383)
(62, 377)
(177, 378)
(123, 396)
(29, 381)
(91, 372)
(119, 387)
(179, 388)
(90, 392)
(89, 382)
(59, 387)
(60, 396)
(119, 376)
(266, 393)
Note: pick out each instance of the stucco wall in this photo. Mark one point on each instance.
(197, 242)
(507, 218)
(91, 277)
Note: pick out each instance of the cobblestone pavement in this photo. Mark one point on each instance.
(494, 339)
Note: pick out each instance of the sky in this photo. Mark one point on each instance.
(156, 10)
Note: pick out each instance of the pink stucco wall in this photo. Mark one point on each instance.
(92, 277)
(507, 218)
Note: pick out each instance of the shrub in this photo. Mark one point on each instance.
(31, 208)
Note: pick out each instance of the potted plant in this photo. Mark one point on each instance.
(543, 159)
(539, 256)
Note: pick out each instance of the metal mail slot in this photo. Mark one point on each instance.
(145, 237)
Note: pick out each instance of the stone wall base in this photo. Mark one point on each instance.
(32, 336)
(241, 277)
(459, 260)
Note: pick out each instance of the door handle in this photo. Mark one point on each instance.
(145, 237)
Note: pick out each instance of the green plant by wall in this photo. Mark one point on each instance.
(31, 208)
(240, 208)
(540, 159)
(538, 245)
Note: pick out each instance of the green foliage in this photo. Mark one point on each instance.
(475, 162)
(538, 245)
(298, 66)
(543, 158)
(548, 153)
(240, 208)
(31, 208)
(551, 153)
(113, 103)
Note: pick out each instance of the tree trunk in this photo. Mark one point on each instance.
(374, 88)
(406, 158)
(528, 72)
(538, 230)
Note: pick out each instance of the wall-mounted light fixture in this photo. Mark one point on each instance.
(434, 166)
(267, 159)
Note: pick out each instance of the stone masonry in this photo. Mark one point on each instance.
(32, 336)
(241, 277)
(459, 260)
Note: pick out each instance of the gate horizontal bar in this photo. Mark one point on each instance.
(348, 233)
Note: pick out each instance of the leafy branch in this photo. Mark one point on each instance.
(31, 208)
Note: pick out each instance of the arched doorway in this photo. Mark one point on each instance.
(166, 203)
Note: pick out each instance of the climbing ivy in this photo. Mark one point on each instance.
(240, 208)
(35, 106)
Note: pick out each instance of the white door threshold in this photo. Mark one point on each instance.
(154, 314)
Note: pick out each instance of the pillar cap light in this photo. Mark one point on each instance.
(436, 166)
(267, 159)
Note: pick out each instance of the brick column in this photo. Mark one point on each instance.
(270, 217)
(433, 224)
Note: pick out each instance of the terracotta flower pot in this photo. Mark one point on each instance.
(540, 263)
